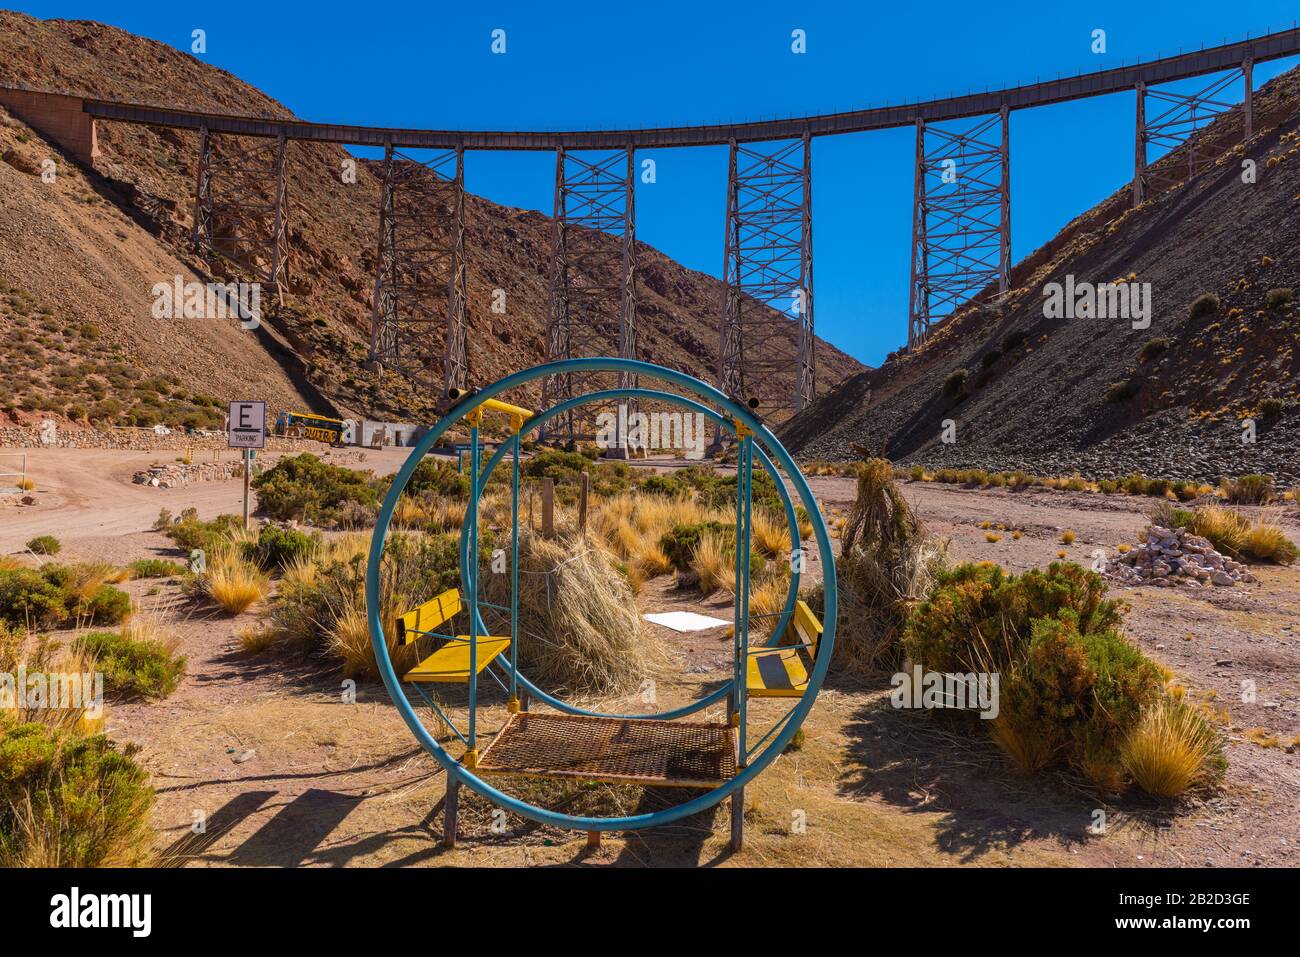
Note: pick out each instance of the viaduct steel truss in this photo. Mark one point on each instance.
(960, 229)
(241, 208)
(961, 218)
(592, 280)
(767, 276)
(1176, 117)
(418, 325)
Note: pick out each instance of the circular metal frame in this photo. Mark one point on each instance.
(781, 458)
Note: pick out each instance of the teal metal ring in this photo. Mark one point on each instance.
(463, 775)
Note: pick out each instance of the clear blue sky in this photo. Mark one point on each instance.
(611, 65)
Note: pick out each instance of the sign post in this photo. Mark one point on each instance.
(247, 431)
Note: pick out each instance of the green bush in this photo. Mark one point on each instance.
(1271, 407)
(29, 598)
(666, 485)
(680, 543)
(191, 532)
(70, 801)
(303, 487)
(1072, 687)
(106, 605)
(1278, 298)
(155, 568)
(955, 383)
(1120, 391)
(1249, 489)
(1206, 304)
(1153, 348)
(139, 665)
(278, 547)
(45, 545)
(440, 478)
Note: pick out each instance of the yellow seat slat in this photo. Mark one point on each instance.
(779, 673)
(451, 661)
(428, 616)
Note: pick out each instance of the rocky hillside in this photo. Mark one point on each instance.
(1055, 395)
(88, 248)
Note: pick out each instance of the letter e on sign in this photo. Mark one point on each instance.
(247, 425)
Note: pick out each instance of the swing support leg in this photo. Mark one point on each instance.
(450, 807)
(593, 840)
(738, 820)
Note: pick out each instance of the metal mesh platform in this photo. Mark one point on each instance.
(613, 750)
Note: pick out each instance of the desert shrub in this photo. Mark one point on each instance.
(665, 485)
(105, 605)
(70, 801)
(136, 661)
(1153, 348)
(1278, 298)
(302, 487)
(232, 582)
(440, 478)
(57, 595)
(320, 605)
(45, 545)
(1120, 391)
(29, 598)
(191, 532)
(1271, 407)
(956, 382)
(1268, 543)
(155, 568)
(720, 493)
(1207, 304)
(275, 547)
(1248, 489)
(1172, 749)
(1014, 340)
(887, 565)
(1073, 689)
(679, 544)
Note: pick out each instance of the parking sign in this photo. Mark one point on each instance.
(247, 425)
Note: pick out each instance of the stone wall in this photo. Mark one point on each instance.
(139, 440)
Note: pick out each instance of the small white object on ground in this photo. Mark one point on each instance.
(685, 620)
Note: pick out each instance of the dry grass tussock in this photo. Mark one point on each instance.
(887, 566)
(580, 629)
(234, 583)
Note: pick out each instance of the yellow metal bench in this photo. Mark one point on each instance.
(782, 672)
(450, 662)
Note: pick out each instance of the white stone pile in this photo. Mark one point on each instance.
(1173, 557)
(171, 476)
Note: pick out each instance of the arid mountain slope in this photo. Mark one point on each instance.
(1058, 394)
(75, 261)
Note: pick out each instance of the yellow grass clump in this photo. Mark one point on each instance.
(771, 536)
(1267, 542)
(1171, 749)
(1067, 537)
(234, 584)
(714, 563)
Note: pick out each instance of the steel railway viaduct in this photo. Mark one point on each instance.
(961, 236)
